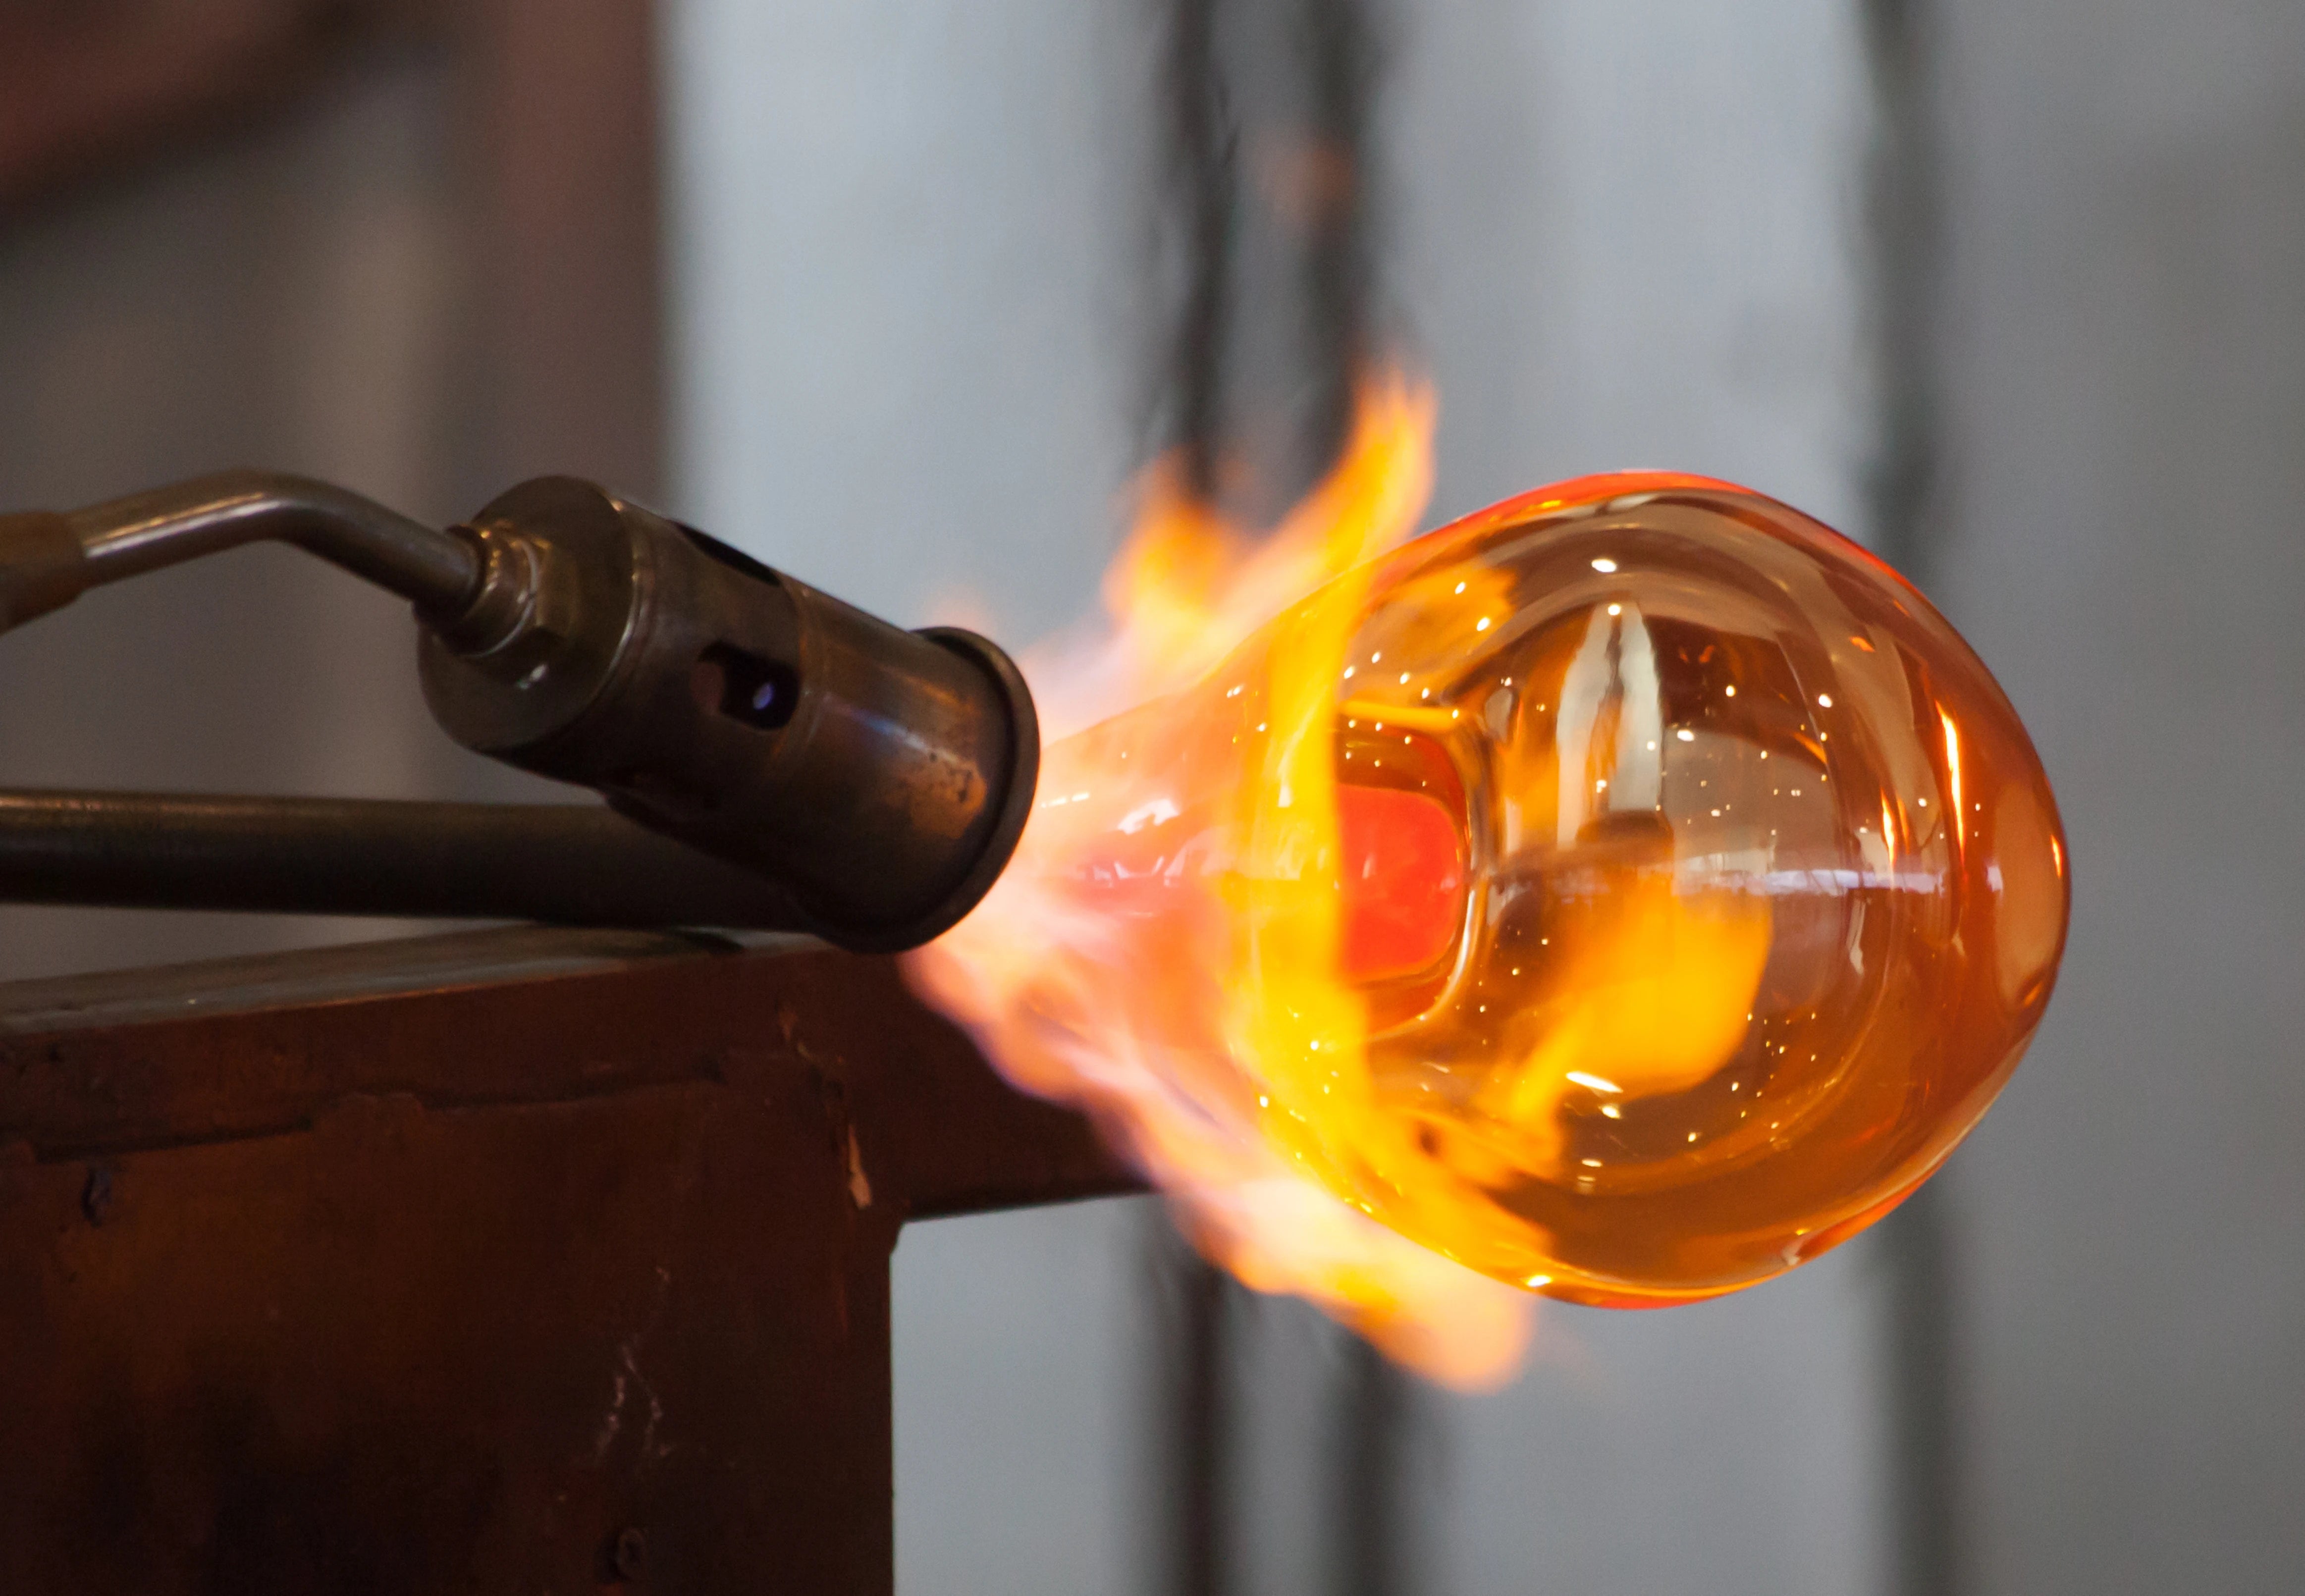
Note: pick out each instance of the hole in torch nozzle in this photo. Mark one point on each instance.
(759, 693)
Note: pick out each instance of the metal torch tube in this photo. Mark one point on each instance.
(437, 570)
(865, 783)
(565, 864)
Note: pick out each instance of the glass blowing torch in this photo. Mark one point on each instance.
(771, 756)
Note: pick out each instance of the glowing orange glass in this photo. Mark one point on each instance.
(1627, 893)
(1770, 889)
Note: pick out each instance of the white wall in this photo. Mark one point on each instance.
(1628, 237)
(2126, 369)
(903, 364)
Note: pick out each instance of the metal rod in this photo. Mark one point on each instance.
(1370, 1535)
(1202, 151)
(1344, 64)
(1198, 1433)
(436, 570)
(566, 864)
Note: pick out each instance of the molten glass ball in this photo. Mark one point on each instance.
(1629, 892)
(1767, 884)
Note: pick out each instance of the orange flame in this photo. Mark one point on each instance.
(1231, 1066)
(1509, 912)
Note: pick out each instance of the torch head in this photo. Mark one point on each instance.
(881, 776)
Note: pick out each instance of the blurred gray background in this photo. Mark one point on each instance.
(2011, 289)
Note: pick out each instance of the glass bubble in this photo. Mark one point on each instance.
(1628, 892)
(1766, 895)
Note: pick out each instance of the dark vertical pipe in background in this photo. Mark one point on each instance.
(1194, 1417)
(1905, 216)
(1202, 148)
(1304, 73)
(1371, 1400)
(564, 94)
(1905, 223)
(1373, 1410)
(1923, 1468)
(1198, 1425)
(1340, 48)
